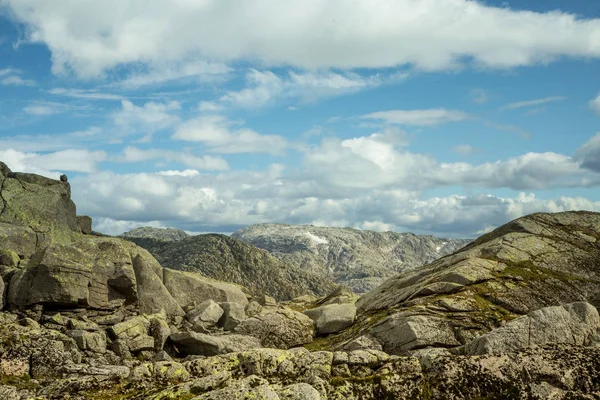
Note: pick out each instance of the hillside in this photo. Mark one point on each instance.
(227, 259)
(359, 259)
(146, 232)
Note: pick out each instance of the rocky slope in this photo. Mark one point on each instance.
(359, 259)
(511, 316)
(147, 232)
(228, 259)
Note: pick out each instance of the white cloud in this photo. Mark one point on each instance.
(418, 117)
(209, 106)
(45, 108)
(133, 154)
(466, 149)
(201, 71)
(49, 164)
(532, 103)
(91, 37)
(90, 94)
(36, 143)
(264, 87)
(147, 119)
(14, 80)
(589, 153)
(595, 104)
(216, 132)
(9, 71)
(479, 96)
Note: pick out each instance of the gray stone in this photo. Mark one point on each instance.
(278, 328)
(400, 333)
(130, 328)
(299, 391)
(573, 323)
(193, 343)
(90, 341)
(141, 343)
(85, 224)
(332, 318)
(206, 314)
(188, 288)
(160, 331)
(233, 315)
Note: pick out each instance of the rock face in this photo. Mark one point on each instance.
(359, 259)
(537, 261)
(227, 259)
(573, 324)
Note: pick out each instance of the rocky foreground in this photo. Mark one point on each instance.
(512, 316)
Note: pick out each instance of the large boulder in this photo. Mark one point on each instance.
(152, 294)
(189, 289)
(207, 314)
(193, 343)
(573, 324)
(399, 333)
(332, 318)
(95, 273)
(278, 328)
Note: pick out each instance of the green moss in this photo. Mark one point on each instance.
(20, 382)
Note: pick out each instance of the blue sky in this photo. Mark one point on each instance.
(432, 116)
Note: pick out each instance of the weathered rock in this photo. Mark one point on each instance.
(251, 387)
(2, 287)
(400, 334)
(95, 273)
(194, 343)
(278, 328)
(332, 318)
(40, 203)
(253, 308)
(160, 331)
(363, 342)
(140, 343)
(573, 323)
(84, 223)
(299, 391)
(206, 314)
(233, 315)
(187, 289)
(91, 341)
(130, 328)
(152, 293)
(21, 240)
(9, 258)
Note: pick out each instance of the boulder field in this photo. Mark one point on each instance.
(86, 316)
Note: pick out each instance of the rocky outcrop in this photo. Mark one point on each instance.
(358, 259)
(574, 324)
(537, 261)
(162, 234)
(227, 259)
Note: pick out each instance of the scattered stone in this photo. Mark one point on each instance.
(233, 315)
(332, 318)
(91, 341)
(278, 328)
(193, 343)
(206, 314)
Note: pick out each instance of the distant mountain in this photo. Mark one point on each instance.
(359, 259)
(147, 232)
(231, 260)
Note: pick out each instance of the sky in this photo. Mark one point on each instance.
(444, 117)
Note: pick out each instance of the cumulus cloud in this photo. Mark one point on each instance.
(147, 119)
(595, 104)
(589, 153)
(90, 37)
(134, 154)
(51, 164)
(220, 135)
(15, 80)
(418, 117)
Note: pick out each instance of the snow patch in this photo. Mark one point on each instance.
(315, 239)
